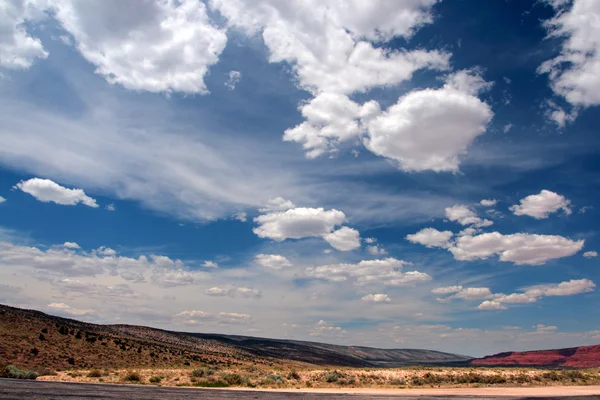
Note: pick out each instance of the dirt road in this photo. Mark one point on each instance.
(40, 390)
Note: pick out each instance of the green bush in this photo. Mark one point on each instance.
(13, 372)
(293, 375)
(331, 377)
(133, 377)
(234, 379)
(198, 373)
(155, 379)
(95, 373)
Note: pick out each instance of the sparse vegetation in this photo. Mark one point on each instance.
(155, 379)
(10, 371)
(133, 377)
(95, 373)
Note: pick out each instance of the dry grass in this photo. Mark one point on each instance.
(410, 377)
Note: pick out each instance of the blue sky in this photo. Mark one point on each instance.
(420, 174)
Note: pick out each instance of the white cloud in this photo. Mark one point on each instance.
(376, 250)
(46, 190)
(298, 223)
(248, 292)
(574, 72)
(370, 240)
(156, 46)
(323, 328)
(377, 298)
(66, 309)
(325, 43)
(540, 206)
(18, 50)
(191, 317)
(110, 207)
(590, 254)
(447, 289)
(519, 248)
(216, 291)
(532, 294)
(491, 305)
(382, 272)
(241, 216)
(488, 202)
(273, 261)
(277, 204)
(343, 239)
(210, 264)
(465, 216)
(431, 237)
(234, 78)
(71, 245)
(2, 199)
(507, 128)
(430, 129)
(545, 328)
(473, 294)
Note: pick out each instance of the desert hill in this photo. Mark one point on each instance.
(574, 357)
(34, 339)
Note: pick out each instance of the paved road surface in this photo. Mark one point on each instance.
(38, 390)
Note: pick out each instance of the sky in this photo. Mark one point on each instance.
(397, 174)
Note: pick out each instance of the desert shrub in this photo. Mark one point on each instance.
(293, 375)
(155, 379)
(574, 375)
(95, 373)
(551, 376)
(331, 377)
(214, 384)
(522, 378)
(133, 377)
(198, 373)
(234, 379)
(13, 372)
(417, 381)
(209, 371)
(494, 379)
(274, 378)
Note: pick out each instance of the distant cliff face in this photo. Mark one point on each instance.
(575, 357)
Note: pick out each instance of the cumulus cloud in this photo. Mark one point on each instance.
(574, 72)
(210, 264)
(540, 206)
(110, 207)
(447, 289)
(519, 248)
(473, 293)
(277, 204)
(156, 46)
(343, 239)
(46, 191)
(194, 317)
(2, 199)
(323, 328)
(298, 223)
(431, 237)
(491, 305)
(325, 43)
(234, 78)
(465, 216)
(273, 261)
(376, 250)
(18, 49)
(241, 216)
(216, 291)
(66, 309)
(430, 129)
(71, 245)
(377, 298)
(532, 294)
(590, 254)
(488, 202)
(386, 272)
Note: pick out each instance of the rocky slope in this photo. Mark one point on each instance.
(33, 339)
(574, 357)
